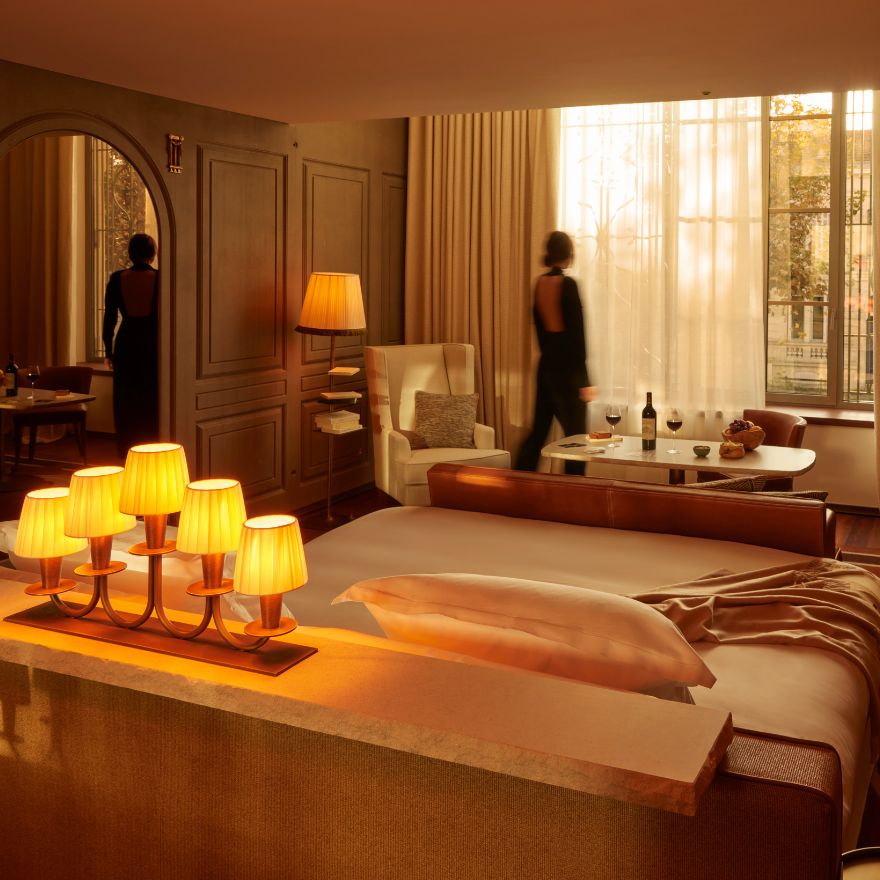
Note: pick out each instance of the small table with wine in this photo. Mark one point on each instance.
(771, 461)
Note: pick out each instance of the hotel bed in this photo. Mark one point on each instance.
(629, 539)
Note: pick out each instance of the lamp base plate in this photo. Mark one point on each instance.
(256, 628)
(89, 570)
(320, 522)
(198, 588)
(38, 589)
(143, 550)
(272, 659)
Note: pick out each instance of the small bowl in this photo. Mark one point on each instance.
(702, 451)
(62, 392)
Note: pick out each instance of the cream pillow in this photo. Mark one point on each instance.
(554, 628)
(445, 420)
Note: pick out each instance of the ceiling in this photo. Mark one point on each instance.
(350, 59)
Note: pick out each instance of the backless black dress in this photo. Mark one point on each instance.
(133, 293)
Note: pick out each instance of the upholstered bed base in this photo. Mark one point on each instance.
(101, 782)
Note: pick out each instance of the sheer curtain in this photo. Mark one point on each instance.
(664, 202)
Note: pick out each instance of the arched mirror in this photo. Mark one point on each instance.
(69, 203)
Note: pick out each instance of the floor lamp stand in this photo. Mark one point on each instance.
(332, 427)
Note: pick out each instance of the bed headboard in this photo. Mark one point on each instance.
(794, 524)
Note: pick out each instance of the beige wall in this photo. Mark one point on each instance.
(258, 206)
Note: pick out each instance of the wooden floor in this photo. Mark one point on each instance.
(857, 534)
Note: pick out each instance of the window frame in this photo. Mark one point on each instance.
(836, 257)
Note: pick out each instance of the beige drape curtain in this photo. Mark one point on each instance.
(38, 271)
(482, 196)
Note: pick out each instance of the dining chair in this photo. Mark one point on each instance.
(780, 429)
(77, 379)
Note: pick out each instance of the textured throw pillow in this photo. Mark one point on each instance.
(446, 420)
(559, 629)
(733, 484)
(816, 494)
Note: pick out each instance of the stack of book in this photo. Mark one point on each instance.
(340, 421)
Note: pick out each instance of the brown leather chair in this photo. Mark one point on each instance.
(780, 429)
(78, 379)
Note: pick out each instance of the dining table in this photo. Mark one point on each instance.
(769, 461)
(27, 400)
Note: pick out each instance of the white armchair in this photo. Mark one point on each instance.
(394, 374)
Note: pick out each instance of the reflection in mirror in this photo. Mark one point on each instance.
(69, 203)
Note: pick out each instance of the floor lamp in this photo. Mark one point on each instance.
(334, 306)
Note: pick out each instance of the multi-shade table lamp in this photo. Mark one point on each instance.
(104, 501)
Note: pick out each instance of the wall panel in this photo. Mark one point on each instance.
(241, 290)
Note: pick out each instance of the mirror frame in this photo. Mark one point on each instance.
(72, 122)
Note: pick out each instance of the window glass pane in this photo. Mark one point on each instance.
(797, 351)
(800, 164)
(800, 105)
(858, 302)
(798, 256)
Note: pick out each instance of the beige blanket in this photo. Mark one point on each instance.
(821, 603)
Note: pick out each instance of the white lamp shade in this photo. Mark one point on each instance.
(211, 517)
(93, 504)
(41, 526)
(333, 304)
(271, 558)
(154, 479)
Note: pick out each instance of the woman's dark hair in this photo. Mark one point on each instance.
(141, 248)
(559, 248)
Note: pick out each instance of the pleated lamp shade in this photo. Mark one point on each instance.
(211, 517)
(93, 504)
(41, 526)
(154, 480)
(333, 304)
(271, 558)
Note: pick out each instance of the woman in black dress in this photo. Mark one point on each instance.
(563, 385)
(133, 354)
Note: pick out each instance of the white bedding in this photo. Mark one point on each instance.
(803, 693)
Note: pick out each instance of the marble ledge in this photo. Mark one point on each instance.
(541, 728)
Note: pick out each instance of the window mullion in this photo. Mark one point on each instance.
(836, 245)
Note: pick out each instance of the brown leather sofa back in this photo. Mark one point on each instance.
(794, 524)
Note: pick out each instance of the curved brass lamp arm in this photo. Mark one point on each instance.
(243, 644)
(180, 632)
(113, 614)
(80, 611)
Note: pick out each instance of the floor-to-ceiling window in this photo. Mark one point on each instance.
(819, 252)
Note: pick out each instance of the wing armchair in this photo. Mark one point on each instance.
(394, 374)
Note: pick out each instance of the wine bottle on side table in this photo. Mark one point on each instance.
(649, 425)
(10, 377)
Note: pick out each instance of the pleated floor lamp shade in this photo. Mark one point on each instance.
(92, 509)
(41, 526)
(333, 304)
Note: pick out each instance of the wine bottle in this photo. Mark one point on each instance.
(10, 377)
(649, 425)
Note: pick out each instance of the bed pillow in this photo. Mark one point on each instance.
(446, 420)
(559, 629)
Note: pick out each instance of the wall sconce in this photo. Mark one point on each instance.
(175, 153)
(103, 501)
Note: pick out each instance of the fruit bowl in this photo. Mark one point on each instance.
(748, 433)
